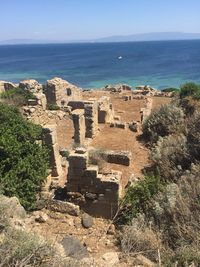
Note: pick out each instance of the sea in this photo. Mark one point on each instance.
(160, 64)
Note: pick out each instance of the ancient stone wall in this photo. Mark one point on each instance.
(91, 119)
(101, 191)
(79, 126)
(60, 92)
(117, 157)
(31, 85)
(50, 140)
(4, 86)
(105, 110)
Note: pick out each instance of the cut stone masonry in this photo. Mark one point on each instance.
(101, 191)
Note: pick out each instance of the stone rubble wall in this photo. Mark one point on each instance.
(31, 85)
(91, 119)
(79, 126)
(105, 110)
(101, 191)
(117, 157)
(60, 92)
(4, 86)
(50, 140)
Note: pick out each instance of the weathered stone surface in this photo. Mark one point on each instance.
(91, 119)
(60, 92)
(31, 85)
(64, 207)
(79, 127)
(101, 192)
(73, 248)
(87, 221)
(13, 207)
(118, 124)
(105, 110)
(134, 126)
(4, 86)
(50, 139)
(41, 217)
(110, 259)
(118, 157)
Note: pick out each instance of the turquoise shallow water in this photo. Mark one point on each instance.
(159, 64)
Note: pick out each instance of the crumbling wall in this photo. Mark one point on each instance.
(117, 157)
(60, 92)
(79, 126)
(50, 140)
(91, 115)
(91, 119)
(101, 191)
(105, 110)
(4, 86)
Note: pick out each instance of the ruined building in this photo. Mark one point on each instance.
(60, 92)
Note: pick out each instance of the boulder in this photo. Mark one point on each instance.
(110, 259)
(13, 207)
(73, 248)
(87, 221)
(64, 207)
(41, 217)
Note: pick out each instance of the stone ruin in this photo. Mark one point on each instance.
(117, 157)
(100, 192)
(119, 88)
(79, 127)
(4, 86)
(60, 92)
(105, 110)
(145, 112)
(50, 140)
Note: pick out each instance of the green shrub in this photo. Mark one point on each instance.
(53, 107)
(183, 257)
(137, 197)
(165, 121)
(171, 90)
(17, 95)
(190, 89)
(171, 157)
(193, 136)
(23, 162)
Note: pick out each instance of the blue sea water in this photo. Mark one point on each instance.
(159, 64)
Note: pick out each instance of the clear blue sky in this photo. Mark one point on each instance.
(85, 19)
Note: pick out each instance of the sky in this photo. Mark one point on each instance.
(89, 19)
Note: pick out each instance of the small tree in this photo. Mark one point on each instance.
(23, 161)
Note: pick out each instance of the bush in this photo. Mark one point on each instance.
(137, 197)
(171, 90)
(193, 136)
(171, 157)
(165, 121)
(17, 96)
(53, 107)
(23, 162)
(190, 89)
(176, 210)
(138, 238)
(183, 257)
